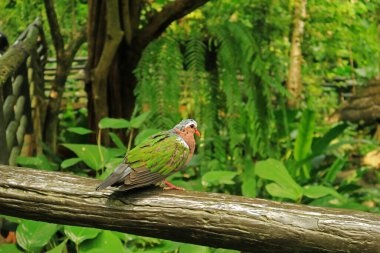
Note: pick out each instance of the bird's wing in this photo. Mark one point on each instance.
(155, 159)
(149, 162)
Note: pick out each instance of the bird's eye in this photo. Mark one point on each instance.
(192, 125)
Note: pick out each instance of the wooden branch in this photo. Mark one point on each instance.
(161, 20)
(54, 28)
(211, 219)
(76, 42)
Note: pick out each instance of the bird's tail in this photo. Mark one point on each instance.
(116, 177)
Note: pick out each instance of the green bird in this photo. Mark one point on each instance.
(156, 158)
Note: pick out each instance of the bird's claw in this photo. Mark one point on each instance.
(171, 186)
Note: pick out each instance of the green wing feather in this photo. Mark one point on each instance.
(162, 153)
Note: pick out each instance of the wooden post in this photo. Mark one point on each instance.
(15, 102)
(3, 142)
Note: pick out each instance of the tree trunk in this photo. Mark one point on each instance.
(294, 82)
(65, 57)
(217, 220)
(117, 81)
(54, 104)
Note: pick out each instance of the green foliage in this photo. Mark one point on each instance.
(60, 248)
(79, 130)
(284, 185)
(9, 248)
(33, 235)
(106, 241)
(249, 184)
(159, 76)
(213, 178)
(304, 140)
(80, 234)
(114, 123)
(318, 191)
(320, 144)
(70, 162)
(38, 162)
(92, 155)
(17, 15)
(334, 169)
(226, 66)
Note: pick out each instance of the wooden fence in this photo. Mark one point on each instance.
(30, 50)
(74, 93)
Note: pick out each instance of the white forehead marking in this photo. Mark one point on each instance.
(180, 140)
(192, 123)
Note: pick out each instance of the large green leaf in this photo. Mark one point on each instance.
(139, 120)
(334, 169)
(114, 123)
(118, 142)
(320, 144)
(248, 186)
(218, 178)
(61, 248)
(70, 162)
(116, 152)
(105, 242)
(305, 135)
(275, 170)
(9, 248)
(89, 154)
(79, 234)
(79, 130)
(38, 162)
(190, 248)
(34, 234)
(277, 190)
(304, 139)
(318, 191)
(163, 246)
(12, 219)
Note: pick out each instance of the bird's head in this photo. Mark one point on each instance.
(188, 126)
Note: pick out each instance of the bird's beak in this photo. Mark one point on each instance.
(197, 132)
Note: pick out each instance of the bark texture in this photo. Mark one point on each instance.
(112, 41)
(218, 220)
(294, 82)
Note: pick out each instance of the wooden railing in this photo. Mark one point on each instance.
(30, 50)
(212, 219)
(74, 93)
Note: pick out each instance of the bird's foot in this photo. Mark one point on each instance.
(171, 186)
(11, 238)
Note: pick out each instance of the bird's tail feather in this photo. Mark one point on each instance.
(117, 176)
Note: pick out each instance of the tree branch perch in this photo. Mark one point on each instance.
(211, 219)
